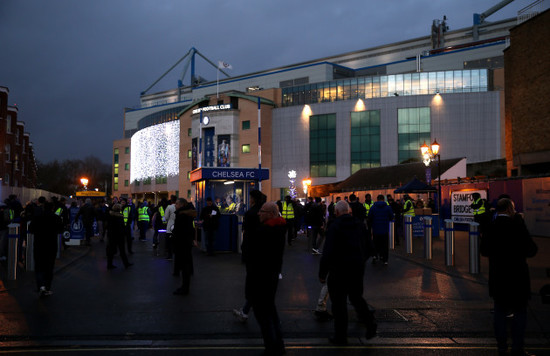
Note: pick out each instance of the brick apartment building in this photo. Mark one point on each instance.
(17, 161)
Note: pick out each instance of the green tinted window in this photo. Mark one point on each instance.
(414, 128)
(322, 145)
(365, 140)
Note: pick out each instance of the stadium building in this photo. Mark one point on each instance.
(324, 119)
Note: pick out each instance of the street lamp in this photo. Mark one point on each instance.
(306, 183)
(430, 154)
(84, 182)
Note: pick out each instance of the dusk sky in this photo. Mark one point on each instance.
(72, 66)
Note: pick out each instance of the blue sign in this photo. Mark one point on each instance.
(76, 226)
(229, 174)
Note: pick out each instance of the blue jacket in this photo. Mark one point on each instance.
(380, 215)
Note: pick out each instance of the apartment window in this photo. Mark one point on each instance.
(413, 129)
(115, 187)
(246, 125)
(115, 155)
(189, 132)
(17, 136)
(189, 154)
(245, 148)
(115, 179)
(126, 182)
(365, 140)
(188, 193)
(126, 166)
(127, 150)
(8, 152)
(8, 124)
(322, 145)
(116, 171)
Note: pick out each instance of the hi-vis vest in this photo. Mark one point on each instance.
(142, 214)
(408, 208)
(288, 210)
(58, 211)
(161, 212)
(126, 214)
(481, 209)
(12, 214)
(367, 207)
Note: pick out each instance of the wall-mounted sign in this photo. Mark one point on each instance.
(229, 174)
(212, 108)
(460, 204)
(90, 193)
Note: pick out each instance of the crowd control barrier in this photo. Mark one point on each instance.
(408, 227)
(428, 238)
(13, 244)
(449, 243)
(474, 248)
(391, 236)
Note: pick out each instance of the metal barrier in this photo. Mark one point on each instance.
(449, 243)
(474, 248)
(13, 244)
(428, 238)
(408, 227)
(391, 236)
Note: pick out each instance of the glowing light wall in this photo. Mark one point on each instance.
(155, 151)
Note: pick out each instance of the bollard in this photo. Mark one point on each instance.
(474, 248)
(391, 236)
(449, 243)
(13, 237)
(29, 253)
(428, 238)
(408, 226)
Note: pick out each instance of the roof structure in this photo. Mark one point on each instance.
(393, 176)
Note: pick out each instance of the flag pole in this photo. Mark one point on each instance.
(199, 165)
(259, 145)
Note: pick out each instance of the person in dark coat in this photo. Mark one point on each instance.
(87, 212)
(116, 235)
(251, 223)
(508, 244)
(380, 215)
(343, 261)
(184, 240)
(210, 219)
(263, 264)
(45, 226)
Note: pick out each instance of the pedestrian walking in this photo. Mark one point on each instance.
(45, 226)
(263, 265)
(288, 211)
(144, 220)
(380, 215)
(343, 261)
(184, 240)
(159, 221)
(116, 236)
(251, 224)
(507, 243)
(170, 216)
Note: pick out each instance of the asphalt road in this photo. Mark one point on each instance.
(420, 310)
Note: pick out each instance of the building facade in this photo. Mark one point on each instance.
(325, 119)
(17, 161)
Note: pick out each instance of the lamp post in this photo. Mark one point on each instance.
(84, 182)
(430, 154)
(306, 183)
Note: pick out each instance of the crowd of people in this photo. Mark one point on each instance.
(346, 233)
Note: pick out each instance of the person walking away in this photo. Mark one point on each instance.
(398, 219)
(508, 244)
(289, 215)
(87, 212)
(380, 215)
(45, 226)
(116, 231)
(184, 240)
(210, 219)
(159, 221)
(251, 223)
(144, 219)
(263, 265)
(317, 222)
(127, 215)
(170, 216)
(343, 261)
